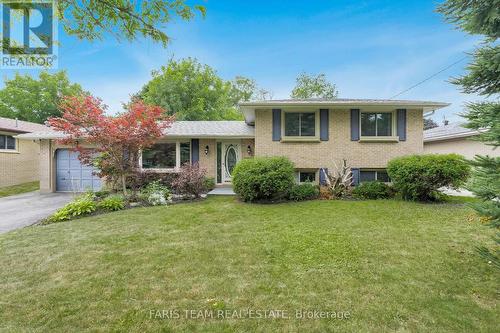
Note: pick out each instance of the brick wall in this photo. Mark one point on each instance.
(20, 166)
(339, 146)
(208, 162)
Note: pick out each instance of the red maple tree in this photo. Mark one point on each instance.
(116, 141)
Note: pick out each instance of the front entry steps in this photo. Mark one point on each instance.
(223, 190)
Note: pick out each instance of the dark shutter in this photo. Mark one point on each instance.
(401, 114)
(276, 124)
(323, 172)
(323, 124)
(195, 150)
(354, 124)
(355, 176)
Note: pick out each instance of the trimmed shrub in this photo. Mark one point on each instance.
(139, 180)
(79, 207)
(373, 190)
(209, 183)
(112, 203)
(190, 180)
(305, 191)
(156, 194)
(418, 177)
(263, 178)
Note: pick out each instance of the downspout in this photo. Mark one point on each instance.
(430, 113)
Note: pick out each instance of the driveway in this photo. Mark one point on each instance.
(26, 209)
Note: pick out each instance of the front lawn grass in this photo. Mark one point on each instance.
(18, 189)
(393, 265)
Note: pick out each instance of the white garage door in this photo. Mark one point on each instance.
(72, 175)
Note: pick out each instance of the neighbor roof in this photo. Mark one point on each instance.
(19, 126)
(450, 131)
(193, 129)
(248, 108)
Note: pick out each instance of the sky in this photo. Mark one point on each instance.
(369, 49)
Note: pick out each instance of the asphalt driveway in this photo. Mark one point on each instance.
(26, 209)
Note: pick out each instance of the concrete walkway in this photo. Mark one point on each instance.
(25, 209)
(222, 191)
(457, 193)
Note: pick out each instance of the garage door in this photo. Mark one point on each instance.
(72, 175)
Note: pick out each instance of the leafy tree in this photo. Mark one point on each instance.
(119, 139)
(90, 19)
(313, 86)
(429, 123)
(246, 89)
(35, 100)
(193, 91)
(483, 77)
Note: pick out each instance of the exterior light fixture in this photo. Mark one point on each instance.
(249, 149)
(206, 150)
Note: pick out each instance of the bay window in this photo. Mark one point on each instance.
(166, 155)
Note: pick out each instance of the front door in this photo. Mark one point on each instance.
(229, 157)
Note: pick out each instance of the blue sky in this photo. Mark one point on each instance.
(369, 49)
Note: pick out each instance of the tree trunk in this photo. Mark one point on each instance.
(124, 184)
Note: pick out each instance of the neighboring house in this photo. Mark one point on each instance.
(19, 159)
(454, 138)
(315, 134)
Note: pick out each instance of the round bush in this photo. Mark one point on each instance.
(155, 194)
(418, 177)
(263, 178)
(373, 190)
(305, 191)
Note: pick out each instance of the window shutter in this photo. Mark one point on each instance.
(401, 125)
(195, 151)
(276, 124)
(323, 124)
(354, 124)
(355, 176)
(323, 172)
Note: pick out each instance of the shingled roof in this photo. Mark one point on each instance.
(200, 129)
(191, 129)
(19, 126)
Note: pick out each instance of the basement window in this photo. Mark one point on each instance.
(374, 175)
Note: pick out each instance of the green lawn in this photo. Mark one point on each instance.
(394, 266)
(18, 189)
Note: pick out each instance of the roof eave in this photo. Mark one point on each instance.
(208, 136)
(332, 103)
(13, 130)
(248, 108)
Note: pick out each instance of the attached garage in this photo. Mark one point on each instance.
(72, 175)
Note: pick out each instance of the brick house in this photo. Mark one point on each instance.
(19, 159)
(314, 133)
